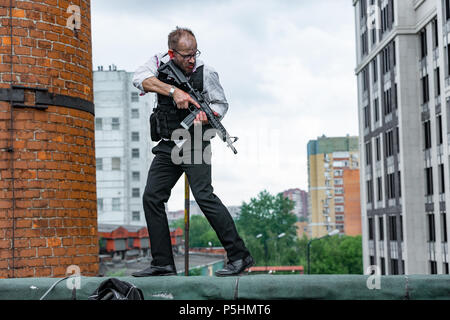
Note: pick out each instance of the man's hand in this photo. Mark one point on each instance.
(183, 99)
(202, 118)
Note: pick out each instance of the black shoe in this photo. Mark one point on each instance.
(236, 267)
(168, 270)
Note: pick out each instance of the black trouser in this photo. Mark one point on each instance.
(162, 177)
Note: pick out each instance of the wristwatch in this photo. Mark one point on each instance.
(171, 91)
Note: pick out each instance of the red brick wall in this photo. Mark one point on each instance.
(52, 168)
(352, 205)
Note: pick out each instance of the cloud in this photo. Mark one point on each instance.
(286, 67)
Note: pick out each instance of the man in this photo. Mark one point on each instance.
(172, 108)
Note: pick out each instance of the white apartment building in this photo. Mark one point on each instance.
(122, 145)
(403, 76)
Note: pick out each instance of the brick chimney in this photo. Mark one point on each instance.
(48, 205)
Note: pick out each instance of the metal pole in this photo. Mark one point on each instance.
(309, 245)
(186, 226)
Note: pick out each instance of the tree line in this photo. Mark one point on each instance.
(268, 229)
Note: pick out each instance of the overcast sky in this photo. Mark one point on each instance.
(287, 68)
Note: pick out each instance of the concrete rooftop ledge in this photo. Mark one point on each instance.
(257, 287)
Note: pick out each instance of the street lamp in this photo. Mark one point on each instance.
(330, 234)
(281, 235)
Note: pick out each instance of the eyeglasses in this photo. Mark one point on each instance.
(189, 56)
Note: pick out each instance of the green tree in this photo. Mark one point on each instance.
(200, 232)
(269, 216)
(337, 255)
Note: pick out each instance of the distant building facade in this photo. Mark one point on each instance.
(333, 180)
(300, 198)
(122, 146)
(403, 77)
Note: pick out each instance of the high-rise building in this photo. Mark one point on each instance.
(122, 146)
(300, 198)
(403, 76)
(332, 163)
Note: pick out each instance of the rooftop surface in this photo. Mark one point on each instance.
(257, 287)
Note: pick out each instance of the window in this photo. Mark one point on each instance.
(370, 226)
(399, 176)
(376, 109)
(377, 149)
(135, 193)
(98, 124)
(135, 153)
(363, 8)
(381, 227)
(99, 204)
(364, 43)
(136, 176)
(429, 181)
(99, 164)
(134, 113)
(383, 266)
(427, 134)
(440, 138)
(134, 136)
(115, 164)
(338, 199)
(435, 34)
(115, 124)
(431, 227)
(338, 181)
(339, 208)
(364, 79)
(397, 139)
(390, 185)
(394, 266)
(368, 149)
(389, 143)
(369, 186)
(444, 226)
(441, 178)
(423, 43)
(425, 90)
(393, 228)
(447, 9)
(375, 70)
(433, 267)
(339, 217)
(135, 216)
(338, 190)
(116, 204)
(387, 101)
(379, 189)
(338, 173)
(134, 97)
(366, 117)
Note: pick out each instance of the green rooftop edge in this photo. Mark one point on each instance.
(248, 287)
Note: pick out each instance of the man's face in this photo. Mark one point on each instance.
(184, 54)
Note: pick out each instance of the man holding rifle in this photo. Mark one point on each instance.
(172, 109)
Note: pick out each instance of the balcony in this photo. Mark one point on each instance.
(256, 287)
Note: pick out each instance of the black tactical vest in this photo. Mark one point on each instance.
(168, 116)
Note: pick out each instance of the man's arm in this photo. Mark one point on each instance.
(214, 92)
(181, 98)
(145, 79)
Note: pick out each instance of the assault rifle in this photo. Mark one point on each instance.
(173, 72)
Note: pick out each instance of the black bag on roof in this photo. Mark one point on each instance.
(115, 289)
